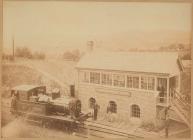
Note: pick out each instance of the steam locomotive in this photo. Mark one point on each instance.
(49, 110)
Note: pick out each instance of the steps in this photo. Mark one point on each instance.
(174, 116)
(181, 108)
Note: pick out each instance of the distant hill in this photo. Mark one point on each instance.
(146, 40)
(128, 40)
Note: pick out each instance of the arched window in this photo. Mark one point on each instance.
(92, 102)
(135, 111)
(112, 107)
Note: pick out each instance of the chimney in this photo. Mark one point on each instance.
(90, 46)
(72, 90)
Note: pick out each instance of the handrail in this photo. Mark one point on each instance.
(180, 98)
(177, 101)
(184, 113)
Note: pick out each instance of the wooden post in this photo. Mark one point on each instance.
(125, 77)
(89, 77)
(112, 79)
(100, 82)
(139, 81)
(155, 86)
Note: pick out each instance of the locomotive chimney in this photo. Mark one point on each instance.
(72, 90)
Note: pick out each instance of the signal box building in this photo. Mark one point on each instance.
(134, 85)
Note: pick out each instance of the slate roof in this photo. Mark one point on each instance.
(151, 62)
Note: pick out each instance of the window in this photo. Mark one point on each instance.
(147, 83)
(85, 77)
(135, 111)
(107, 79)
(119, 80)
(112, 107)
(161, 84)
(144, 82)
(132, 82)
(94, 77)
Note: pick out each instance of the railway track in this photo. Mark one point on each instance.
(90, 129)
(102, 131)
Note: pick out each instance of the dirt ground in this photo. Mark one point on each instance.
(19, 129)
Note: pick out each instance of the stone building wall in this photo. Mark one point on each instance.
(124, 98)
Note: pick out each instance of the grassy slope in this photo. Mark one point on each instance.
(15, 75)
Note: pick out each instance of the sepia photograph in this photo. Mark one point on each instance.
(96, 69)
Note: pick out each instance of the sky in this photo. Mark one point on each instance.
(54, 26)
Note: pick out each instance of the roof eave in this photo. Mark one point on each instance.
(92, 69)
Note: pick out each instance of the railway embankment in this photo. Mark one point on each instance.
(15, 74)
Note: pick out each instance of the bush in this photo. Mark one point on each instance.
(7, 57)
(27, 53)
(23, 52)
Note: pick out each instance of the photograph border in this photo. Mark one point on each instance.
(154, 1)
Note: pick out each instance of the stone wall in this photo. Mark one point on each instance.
(124, 98)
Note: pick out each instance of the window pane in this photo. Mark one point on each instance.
(147, 83)
(135, 82)
(143, 82)
(151, 83)
(129, 82)
(132, 82)
(94, 77)
(161, 84)
(119, 80)
(106, 79)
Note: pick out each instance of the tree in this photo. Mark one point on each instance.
(73, 55)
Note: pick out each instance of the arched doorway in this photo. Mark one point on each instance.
(112, 107)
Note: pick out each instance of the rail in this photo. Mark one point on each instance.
(101, 129)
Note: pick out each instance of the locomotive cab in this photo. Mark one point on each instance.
(26, 92)
(25, 100)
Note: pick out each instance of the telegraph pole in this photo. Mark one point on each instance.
(13, 49)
